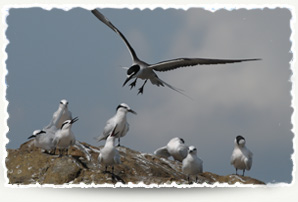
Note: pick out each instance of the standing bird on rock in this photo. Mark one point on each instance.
(109, 155)
(192, 165)
(118, 119)
(44, 140)
(241, 157)
(61, 115)
(175, 148)
(145, 71)
(64, 137)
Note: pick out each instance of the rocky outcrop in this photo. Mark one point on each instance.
(28, 165)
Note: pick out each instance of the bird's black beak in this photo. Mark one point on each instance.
(31, 136)
(132, 111)
(74, 120)
(128, 78)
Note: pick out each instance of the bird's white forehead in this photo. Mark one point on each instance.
(192, 148)
(125, 105)
(36, 132)
(64, 101)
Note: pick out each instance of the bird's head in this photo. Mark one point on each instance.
(63, 103)
(182, 140)
(131, 72)
(240, 140)
(126, 108)
(66, 124)
(192, 150)
(36, 133)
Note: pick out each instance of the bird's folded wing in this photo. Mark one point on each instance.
(184, 62)
(233, 157)
(82, 148)
(162, 152)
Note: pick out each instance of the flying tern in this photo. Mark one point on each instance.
(118, 119)
(175, 148)
(145, 71)
(64, 137)
(241, 157)
(192, 165)
(109, 155)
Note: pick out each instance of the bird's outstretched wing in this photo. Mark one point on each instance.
(184, 62)
(106, 21)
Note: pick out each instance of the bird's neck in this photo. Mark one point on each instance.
(110, 142)
(121, 114)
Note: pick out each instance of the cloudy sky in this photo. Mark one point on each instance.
(57, 54)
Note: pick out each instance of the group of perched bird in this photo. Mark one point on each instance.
(192, 165)
(58, 134)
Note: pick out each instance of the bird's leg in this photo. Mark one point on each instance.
(243, 172)
(196, 179)
(106, 169)
(112, 169)
(188, 179)
(60, 152)
(236, 171)
(118, 142)
(142, 88)
(133, 84)
(53, 151)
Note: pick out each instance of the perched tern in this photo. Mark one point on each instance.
(64, 137)
(61, 115)
(241, 157)
(44, 140)
(175, 148)
(145, 71)
(192, 165)
(109, 155)
(118, 119)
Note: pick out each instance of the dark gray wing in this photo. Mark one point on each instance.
(106, 21)
(184, 62)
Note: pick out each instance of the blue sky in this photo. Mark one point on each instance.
(60, 54)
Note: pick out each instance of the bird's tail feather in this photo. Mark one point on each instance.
(81, 147)
(173, 88)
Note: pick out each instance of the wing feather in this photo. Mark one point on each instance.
(106, 21)
(162, 151)
(184, 62)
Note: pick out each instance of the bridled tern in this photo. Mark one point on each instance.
(118, 119)
(44, 140)
(109, 155)
(145, 71)
(61, 115)
(64, 137)
(175, 148)
(241, 157)
(192, 165)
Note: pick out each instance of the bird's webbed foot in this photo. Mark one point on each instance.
(133, 84)
(141, 90)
